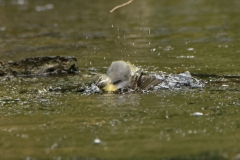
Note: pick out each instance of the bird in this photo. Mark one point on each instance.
(124, 75)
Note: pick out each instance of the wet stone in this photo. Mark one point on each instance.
(40, 66)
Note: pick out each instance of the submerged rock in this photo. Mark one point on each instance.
(40, 66)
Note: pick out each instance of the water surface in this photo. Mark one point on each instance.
(199, 36)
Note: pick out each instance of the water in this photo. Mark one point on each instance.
(171, 36)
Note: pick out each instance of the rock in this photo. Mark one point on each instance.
(41, 66)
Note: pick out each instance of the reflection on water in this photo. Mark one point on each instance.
(112, 100)
(170, 36)
(19, 2)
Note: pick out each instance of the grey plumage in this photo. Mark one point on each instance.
(121, 75)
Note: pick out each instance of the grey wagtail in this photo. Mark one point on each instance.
(122, 75)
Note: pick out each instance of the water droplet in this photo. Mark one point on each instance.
(97, 141)
(185, 56)
(225, 85)
(44, 8)
(24, 136)
(197, 114)
(2, 28)
(54, 145)
(153, 50)
(190, 49)
(166, 115)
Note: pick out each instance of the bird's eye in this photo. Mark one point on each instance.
(100, 79)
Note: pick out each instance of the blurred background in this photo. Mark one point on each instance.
(175, 36)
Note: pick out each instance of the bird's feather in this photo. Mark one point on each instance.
(144, 82)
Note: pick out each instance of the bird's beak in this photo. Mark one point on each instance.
(104, 82)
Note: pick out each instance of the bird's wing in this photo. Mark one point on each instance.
(144, 82)
(147, 82)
